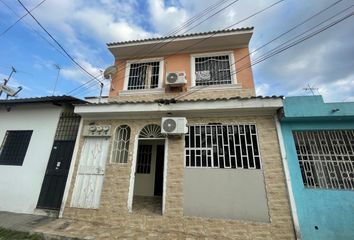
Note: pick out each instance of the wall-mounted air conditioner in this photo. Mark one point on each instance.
(97, 130)
(174, 125)
(176, 78)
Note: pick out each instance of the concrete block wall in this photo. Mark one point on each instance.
(200, 94)
(114, 211)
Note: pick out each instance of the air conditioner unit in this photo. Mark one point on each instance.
(176, 78)
(174, 125)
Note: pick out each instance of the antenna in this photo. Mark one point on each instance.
(8, 90)
(309, 88)
(56, 81)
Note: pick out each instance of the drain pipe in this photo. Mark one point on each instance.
(287, 178)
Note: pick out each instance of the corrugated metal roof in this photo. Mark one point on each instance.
(181, 36)
(173, 100)
(45, 99)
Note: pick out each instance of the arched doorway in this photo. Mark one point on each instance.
(148, 168)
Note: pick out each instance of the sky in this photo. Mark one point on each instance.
(83, 27)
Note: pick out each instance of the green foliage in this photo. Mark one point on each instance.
(6, 234)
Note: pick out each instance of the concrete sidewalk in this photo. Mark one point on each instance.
(32, 224)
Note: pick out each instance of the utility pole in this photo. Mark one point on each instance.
(56, 81)
(101, 86)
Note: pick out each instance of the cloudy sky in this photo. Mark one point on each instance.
(83, 27)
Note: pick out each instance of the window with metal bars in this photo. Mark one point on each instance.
(143, 75)
(67, 127)
(213, 70)
(222, 146)
(143, 165)
(121, 144)
(14, 147)
(326, 158)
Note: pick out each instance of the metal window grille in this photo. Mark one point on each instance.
(144, 75)
(14, 147)
(121, 144)
(212, 70)
(326, 158)
(151, 131)
(222, 146)
(67, 127)
(143, 165)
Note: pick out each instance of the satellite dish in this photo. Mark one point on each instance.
(9, 91)
(109, 72)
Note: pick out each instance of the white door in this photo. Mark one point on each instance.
(90, 174)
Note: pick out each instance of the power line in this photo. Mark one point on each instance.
(276, 49)
(189, 22)
(34, 30)
(18, 20)
(232, 25)
(273, 53)
(286, 32)
(252, 15)
(82, 85)
(211, 35)
(61, 47)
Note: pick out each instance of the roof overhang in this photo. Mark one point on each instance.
(189, 43)
(187, 109)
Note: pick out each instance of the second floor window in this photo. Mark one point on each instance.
(144, 75)
(213, 70)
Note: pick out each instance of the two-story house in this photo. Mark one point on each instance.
(221, 177)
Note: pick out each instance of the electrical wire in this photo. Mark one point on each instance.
(232, 25)
(189, 22)
(288, 31)
(61, 47)
(18, 20)
(296, 37)
(273, 53)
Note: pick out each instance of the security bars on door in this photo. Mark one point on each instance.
(326, 158)
(212, 70)
(222, 146)
(143, 165)
(144, 75)
(68, 126)
(121, 144)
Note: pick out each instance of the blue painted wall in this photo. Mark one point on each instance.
(332, 211)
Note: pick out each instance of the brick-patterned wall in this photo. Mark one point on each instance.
(173, 224)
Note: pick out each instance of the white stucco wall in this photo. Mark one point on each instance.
(20, 185)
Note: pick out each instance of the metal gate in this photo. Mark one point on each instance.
(59, 162)
(90, 174)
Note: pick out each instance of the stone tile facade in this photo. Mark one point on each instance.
(113, 210)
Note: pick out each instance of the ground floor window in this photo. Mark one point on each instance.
(14, 147)
(222, 146)
(326, 158)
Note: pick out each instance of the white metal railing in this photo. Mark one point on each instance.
(222, 146)
(326, 158)
(144, 75)
(212, 70)
(121, 144)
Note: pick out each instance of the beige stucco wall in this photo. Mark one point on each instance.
(225, 193)
(174, 224)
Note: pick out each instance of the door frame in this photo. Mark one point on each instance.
(71, 169)
(133, 169)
